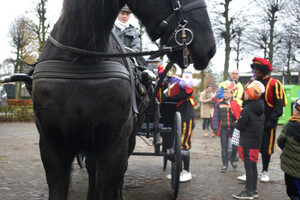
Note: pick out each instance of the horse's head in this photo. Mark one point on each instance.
(164, 18)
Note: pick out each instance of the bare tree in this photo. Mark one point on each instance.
(23, 40)
(8, 66)
(227, 30)
(41, 29)
(239, 40)
(294, 27)
(271, 10)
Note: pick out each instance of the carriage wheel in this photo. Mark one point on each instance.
(176, 161)
(80, 160)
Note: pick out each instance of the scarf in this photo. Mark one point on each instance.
(121, 25)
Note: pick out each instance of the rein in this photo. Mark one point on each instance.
(154, 54)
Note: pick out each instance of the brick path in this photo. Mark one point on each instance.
(22, 176)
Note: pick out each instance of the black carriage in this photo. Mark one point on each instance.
(164, 125)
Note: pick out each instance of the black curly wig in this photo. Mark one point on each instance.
(262, 68)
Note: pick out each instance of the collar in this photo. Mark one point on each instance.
(266, 77)
(122, 26)
(236, 82)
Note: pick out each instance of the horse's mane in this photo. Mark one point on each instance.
(90, 19)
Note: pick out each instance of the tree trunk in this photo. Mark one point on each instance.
(227, 58)
(202, 80)
(227, 38)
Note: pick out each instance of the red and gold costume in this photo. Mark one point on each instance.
(274, 99)
(173, 91)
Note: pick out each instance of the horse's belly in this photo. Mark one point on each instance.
(82, 109)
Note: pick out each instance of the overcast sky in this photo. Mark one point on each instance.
(11, 9)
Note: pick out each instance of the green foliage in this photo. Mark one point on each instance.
(16, 114)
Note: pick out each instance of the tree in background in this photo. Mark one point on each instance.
(228, 30)
(24, 42)
(238, 45)
(225, 32)
(7, 66)
(294, 28)
(41, 29)
(270, 38)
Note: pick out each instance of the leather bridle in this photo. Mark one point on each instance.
(182, 35)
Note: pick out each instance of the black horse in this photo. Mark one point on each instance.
(83, 102)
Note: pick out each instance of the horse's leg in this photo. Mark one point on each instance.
(57, 164)
(91, 166)
(132, 142)
(110, 177)
(112, 165)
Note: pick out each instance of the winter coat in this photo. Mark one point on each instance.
(206, 107)
(225, 115)
(130, 37)
(251, 124)
(289, 142)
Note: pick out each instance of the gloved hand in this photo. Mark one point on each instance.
(269, 125)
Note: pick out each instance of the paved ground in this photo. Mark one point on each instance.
(22, 176)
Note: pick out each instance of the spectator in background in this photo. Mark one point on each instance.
(289, 142)
(128, 34)
(227, 111)
(206, 108)
(233, 77)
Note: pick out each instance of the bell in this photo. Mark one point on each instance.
(172, 71)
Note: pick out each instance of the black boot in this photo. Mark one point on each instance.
(185, 157)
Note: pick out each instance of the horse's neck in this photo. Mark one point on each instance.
(87, 24)
(84, 27)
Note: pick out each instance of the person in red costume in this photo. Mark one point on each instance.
(274, 99)
(175, 89)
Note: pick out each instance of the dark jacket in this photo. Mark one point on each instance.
(130, 37)
(251, 124)
(223, 117)
(289, 142)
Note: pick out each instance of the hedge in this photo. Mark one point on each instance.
(17, 110)
(20, 110)
(19, 102)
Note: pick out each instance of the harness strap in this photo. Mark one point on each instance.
(132, 82)
(154, 54)
(160, 30)
(59, 69)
